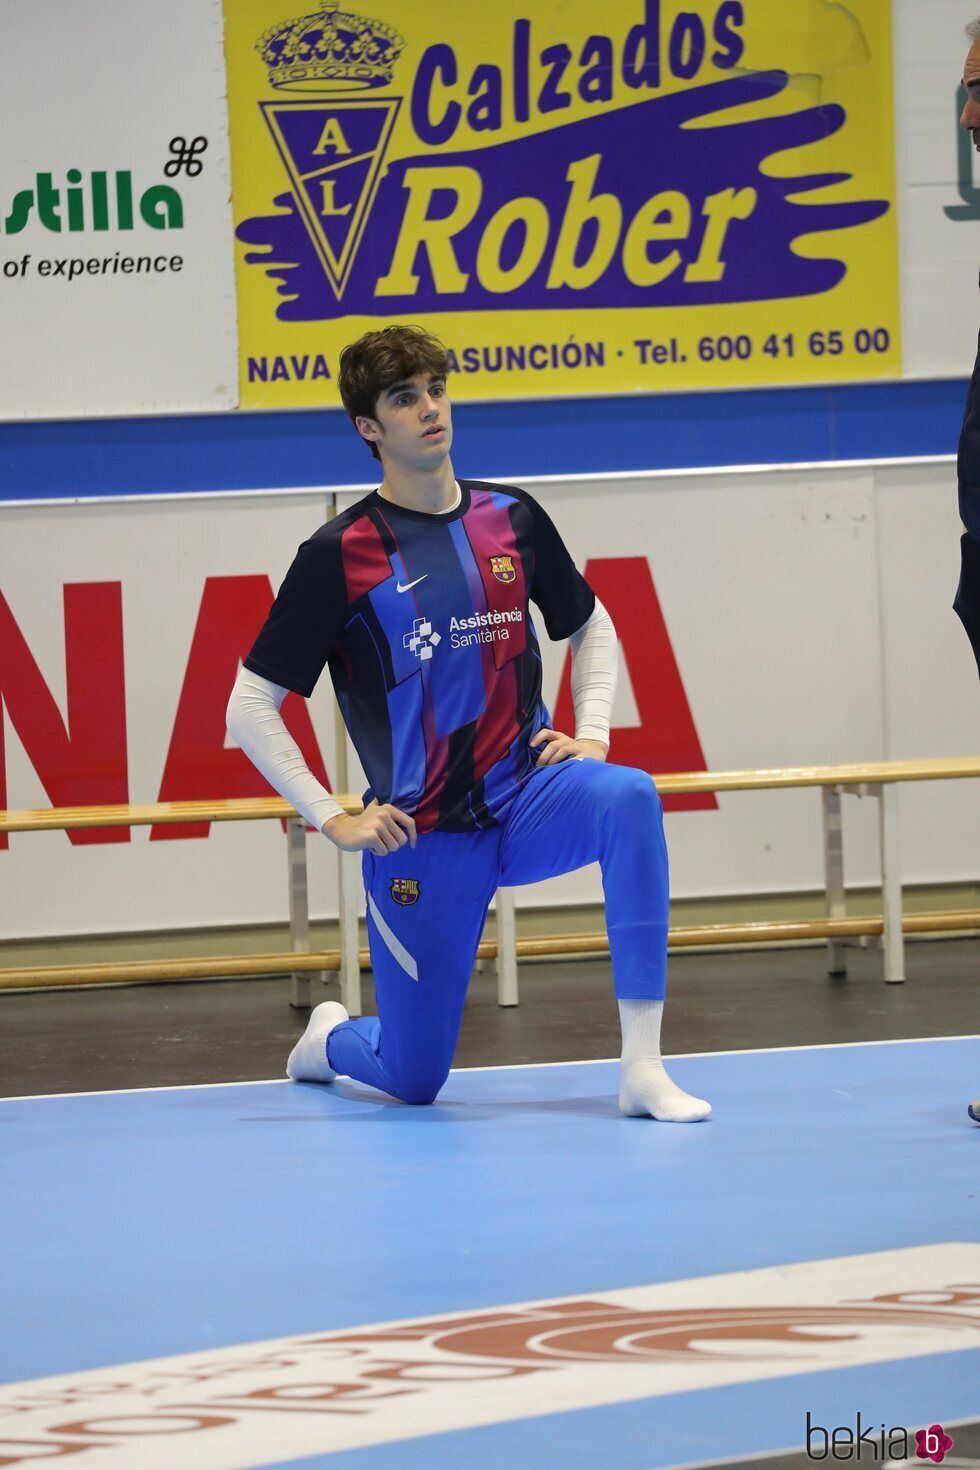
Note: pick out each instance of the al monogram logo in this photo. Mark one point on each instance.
(503, 568)
(405, 891)
(332, 150)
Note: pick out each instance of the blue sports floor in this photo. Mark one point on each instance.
(259, 1274)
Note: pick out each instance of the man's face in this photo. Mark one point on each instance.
(413, 423)
(971, 81)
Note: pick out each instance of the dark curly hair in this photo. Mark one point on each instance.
(380, 359)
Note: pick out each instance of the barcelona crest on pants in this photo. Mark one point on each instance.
(503, 568)
(405, 890)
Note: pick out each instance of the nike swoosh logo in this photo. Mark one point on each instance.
(409, 585)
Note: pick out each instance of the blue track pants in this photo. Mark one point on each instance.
(422, 952)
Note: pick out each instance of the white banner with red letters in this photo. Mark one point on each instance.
(764, 620)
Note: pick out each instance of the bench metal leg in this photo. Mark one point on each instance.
(349, 886)
(506, 948)
(891, 884)
(299, 907)
(833, 864)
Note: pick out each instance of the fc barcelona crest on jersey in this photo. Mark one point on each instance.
(405, 890)
(503, 568)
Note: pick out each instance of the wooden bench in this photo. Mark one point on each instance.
(877, 779)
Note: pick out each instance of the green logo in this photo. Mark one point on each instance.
(97, 207)
(968, 191)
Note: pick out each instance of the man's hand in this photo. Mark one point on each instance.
(557, 747)
(379, 829)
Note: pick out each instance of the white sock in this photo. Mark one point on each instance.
(308, 1058)
(645, 1090)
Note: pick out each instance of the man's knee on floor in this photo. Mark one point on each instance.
(419, 1085)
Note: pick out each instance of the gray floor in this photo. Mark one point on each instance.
(224, 1031)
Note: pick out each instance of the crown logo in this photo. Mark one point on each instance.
(332, 50)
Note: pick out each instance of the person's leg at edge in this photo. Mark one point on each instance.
(580, 811)
(425, 912)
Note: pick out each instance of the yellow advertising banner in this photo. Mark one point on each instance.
(640, 196)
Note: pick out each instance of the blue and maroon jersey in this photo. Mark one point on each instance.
(424, 624)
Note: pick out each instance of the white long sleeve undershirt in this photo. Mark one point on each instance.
(256, 725)
(595, 665)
